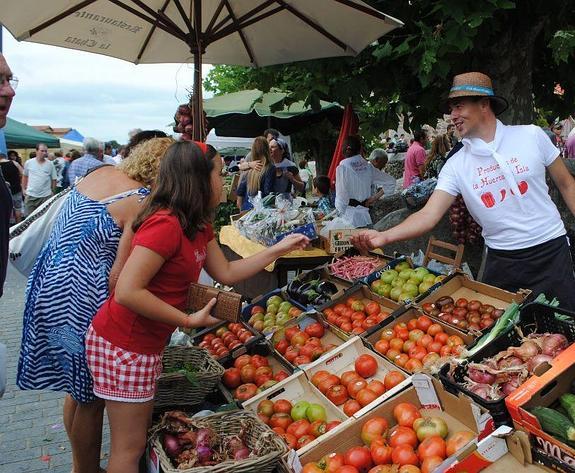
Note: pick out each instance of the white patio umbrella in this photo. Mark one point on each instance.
(235, 32)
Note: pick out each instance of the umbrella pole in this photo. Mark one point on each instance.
(197, 115)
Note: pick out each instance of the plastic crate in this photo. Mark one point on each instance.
(533, 318)
(322, 274)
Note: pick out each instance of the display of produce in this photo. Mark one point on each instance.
(356, 315)
(462, 313)
(403, 283)
(273, 314)
(225, 339)
(300, 346)
(496, 377)
(416, 343)
(298, 424)
(464, 228)
(311, 288)
(352, 268)
(555, 423)
(415, 444)
(250, 375)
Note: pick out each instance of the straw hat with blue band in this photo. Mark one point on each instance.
(474, 84)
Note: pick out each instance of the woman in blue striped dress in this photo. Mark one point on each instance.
(71, 279)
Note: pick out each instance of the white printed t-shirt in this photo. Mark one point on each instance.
(509, 222)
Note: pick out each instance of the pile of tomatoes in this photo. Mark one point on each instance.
(298, 424)
(417, 342)
(356, 315)
(352, 390)
(300, 347)
(226, 339)
(251, 374)
(415, 445)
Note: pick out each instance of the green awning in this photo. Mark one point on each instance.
(249, 112)
(20, 135)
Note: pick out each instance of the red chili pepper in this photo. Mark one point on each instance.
(503, 193)
(488, 199)
(523, 187)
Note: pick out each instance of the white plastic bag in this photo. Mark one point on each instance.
(338, 223)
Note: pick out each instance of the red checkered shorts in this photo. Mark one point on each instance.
(121, 375)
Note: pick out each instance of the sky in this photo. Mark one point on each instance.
(99, 96)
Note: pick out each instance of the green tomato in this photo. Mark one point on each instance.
(298, 411)
(405, 274)
(385, 290)
(285, 307)
(282, 318)
(409, 288)
(424, 286)
(273, 308)
(316, 412)
(395, 293)
(276, 300)
(388, 276)
(403, 265)
(429, 278)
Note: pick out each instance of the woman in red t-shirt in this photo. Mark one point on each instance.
(173, 241)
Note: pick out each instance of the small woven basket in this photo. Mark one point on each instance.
(174, 389)
(227, 307)
(259, 438)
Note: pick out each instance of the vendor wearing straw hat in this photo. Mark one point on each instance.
(500, 172)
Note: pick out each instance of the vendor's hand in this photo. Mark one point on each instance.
(295, 241)
(203, 318)
(368, 240)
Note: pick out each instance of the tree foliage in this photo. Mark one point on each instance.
(526, 46)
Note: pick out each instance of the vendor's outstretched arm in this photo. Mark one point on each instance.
(564, 182)
(231, 272)
(413, 226)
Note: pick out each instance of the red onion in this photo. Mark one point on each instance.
(553, 344)
(509, 361)
(526, 351)
(242, 453)
(480, 376)
(172, 445)
(204, 453)
(205, 437)
(536, 361)
(511, 385)
(481, 390)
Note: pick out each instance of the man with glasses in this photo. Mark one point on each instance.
(39, 179)
(7, 85)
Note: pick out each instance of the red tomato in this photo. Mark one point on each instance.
(417, 352)
(404, 455)
(350, 407)
(258, 360)
(413, 365)
(299, 338)
(432, 447)
(280, 420)
(424, 322)
(279, 430)
(231, 378)
(425, 340)
(339, 308)
(282, 406)
(346, 327)
(304, 440)
(434, 347)
(372, 429)
(359, 457)
(356, 386)
(332, 425)
(376, 386)
(372, 308)
(405, 414)
(301, 360)
(366, 396)
(408, 345)
(348, 376)
(291, 353)
(392, 379)
(245, 391)
(347, 469)
(366, 366)
(396, 344)
(337, 394)
(381, 346)
(290, 440)
(387, 334)
(315, 330)
(441, 337)
(445, 351)
(242, 360)
(430, 463)
(318, 377)
(330, 463)
(412, 324)
(299, 428)
(312, 468)
(401, 359)
(280, 375)
(359, 316)
(368, 323)
(392, 354)
(380, 451)
(434, 329)
(455, 341)
(457, 441)
(327, 382)
(317, 428)
(402, 333)
(400, 435)
(282, 346)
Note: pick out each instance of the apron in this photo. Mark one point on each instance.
(545, 268)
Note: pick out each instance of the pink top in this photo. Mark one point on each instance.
(414, 158)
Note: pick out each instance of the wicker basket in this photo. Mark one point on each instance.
(174, 389)
(259, 437)
(228, 304)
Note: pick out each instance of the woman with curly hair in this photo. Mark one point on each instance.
(436, 157)
(72, 277)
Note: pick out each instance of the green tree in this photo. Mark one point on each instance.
(526, 46)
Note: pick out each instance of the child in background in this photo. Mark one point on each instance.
(173, 240)
(321, 185)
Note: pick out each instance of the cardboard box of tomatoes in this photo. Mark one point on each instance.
(355, 379)
(357, 311)
(468, 304)
(545, 391)
(403, 430)
(412, 340)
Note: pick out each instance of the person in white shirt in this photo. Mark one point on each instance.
(500, 172)
(39, 179)
(378, 158)
(354, 179)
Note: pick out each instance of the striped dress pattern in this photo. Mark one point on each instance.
(67, 286)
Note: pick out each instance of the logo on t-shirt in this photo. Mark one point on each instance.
(488, 178)
(200, 256)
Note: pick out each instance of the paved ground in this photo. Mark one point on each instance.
(32, 437)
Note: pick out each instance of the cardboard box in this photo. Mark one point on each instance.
(362, 292)
(428, 394)
(460, 285)
(544, 390)
(343, 359)
(298, 388)
(338, 240)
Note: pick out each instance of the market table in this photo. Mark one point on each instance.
(235, 246)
